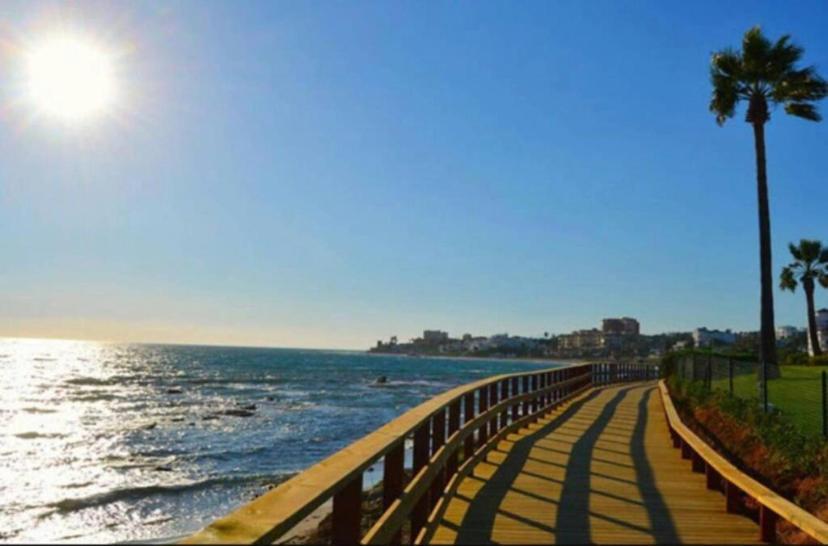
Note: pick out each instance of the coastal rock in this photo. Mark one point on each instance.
(209, 418)
(237, 413)
(175, 390)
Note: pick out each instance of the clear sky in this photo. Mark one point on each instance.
(325, 174)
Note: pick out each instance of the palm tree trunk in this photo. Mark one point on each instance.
(812, 329)
(767, 333)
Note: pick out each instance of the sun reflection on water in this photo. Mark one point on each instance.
(108, 442)
(55, 431)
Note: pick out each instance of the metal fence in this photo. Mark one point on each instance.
(800, 392)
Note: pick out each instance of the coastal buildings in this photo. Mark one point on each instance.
(582, 340)
(435, 337)
(624, 326)
(703, 337)
(616, 338)
(439, 342)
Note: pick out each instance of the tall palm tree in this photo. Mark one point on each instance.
(762, 74)
(810, 265)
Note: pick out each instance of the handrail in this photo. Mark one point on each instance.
(487, 407)
(719, 470)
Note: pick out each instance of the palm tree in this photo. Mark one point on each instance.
(810, 264)
(764, 73)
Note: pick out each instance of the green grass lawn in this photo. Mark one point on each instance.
(798, 393)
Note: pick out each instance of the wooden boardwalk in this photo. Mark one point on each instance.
(600, 469)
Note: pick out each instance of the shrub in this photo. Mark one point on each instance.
(821, 360)
(796, 359)
(668, 364)
(768, 445)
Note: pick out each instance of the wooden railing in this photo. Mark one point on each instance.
(449, 432)
(725, 477)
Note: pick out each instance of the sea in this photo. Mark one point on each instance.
(104, 442)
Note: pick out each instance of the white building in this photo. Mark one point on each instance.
(784, 332)
(822, 331)
(703, 337)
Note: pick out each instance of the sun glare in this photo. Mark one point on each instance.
(69, 78)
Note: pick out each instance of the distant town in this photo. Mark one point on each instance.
(616, 338)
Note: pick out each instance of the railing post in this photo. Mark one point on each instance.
(346, 517)
(419, 514)
(453, 426)
(482, 407)
(515, 408)
(504, 395)
(767, 524)
(535, 393)
(493, 394)
(556, 394)
(525, 390)
(541, 386)
(468, 415)
(438, 439)
(686, 450)
(697, 462)
(393, 480)
(712, 477)
(542, 395)
(733, 503)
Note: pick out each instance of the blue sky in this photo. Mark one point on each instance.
(324, 174)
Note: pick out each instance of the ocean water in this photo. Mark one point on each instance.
(121, 442)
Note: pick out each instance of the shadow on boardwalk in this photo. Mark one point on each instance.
(570, 521)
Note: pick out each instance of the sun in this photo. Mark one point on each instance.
(69, 78)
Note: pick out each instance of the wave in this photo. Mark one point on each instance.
(94, 397)
(171, 382)
(409, 383)
(32, 435)
(68, 505)
(38, 410)
(76, 485)
(231, 380)
(91, 381)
